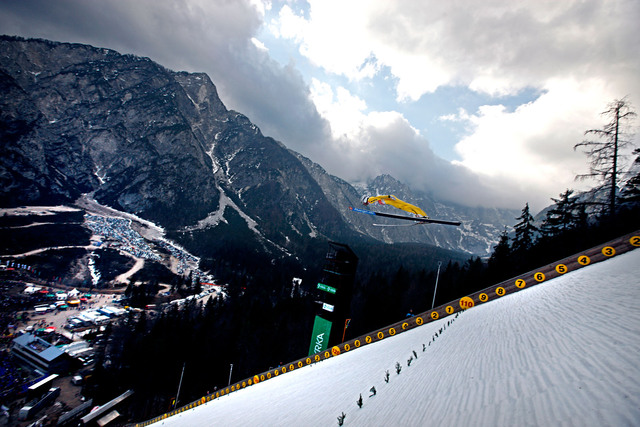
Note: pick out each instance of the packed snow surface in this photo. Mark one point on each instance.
(565, 352)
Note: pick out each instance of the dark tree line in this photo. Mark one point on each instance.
(255, 327)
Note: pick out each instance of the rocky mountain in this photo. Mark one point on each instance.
(78, 120)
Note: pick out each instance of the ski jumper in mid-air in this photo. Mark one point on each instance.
(416, 214)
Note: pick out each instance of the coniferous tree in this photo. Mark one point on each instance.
(501, 252)
(474, 269)
(582, 219)
(630, 194)
(562, 217)
(526, 232)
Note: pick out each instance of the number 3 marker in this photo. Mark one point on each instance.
(608, 251)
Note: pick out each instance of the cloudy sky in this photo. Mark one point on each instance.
(478, 103)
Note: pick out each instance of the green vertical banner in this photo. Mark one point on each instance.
(320, 336)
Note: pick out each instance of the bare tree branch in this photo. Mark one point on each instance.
(604, 153)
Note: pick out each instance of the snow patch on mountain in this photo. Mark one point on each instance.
(214, 218)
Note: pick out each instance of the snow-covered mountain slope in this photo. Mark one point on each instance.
(564, 352)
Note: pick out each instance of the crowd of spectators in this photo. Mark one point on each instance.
(13, 305)
(122, 235)
(9, 376)
(186, 261)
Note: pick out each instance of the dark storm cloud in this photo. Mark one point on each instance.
(408, 156)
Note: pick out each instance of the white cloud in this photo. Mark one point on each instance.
(257, 43)
(532, 147)
(579, 54)
(342, 109)
(331, 38)
(367, 144)
(498, 47)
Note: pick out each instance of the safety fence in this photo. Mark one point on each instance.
(591, 256)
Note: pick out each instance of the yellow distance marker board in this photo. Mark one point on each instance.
(584, 260)
(608, 251)
(466, 302)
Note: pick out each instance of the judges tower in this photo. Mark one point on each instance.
(333, 297)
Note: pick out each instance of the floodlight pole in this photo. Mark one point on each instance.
(179, 385)
(230, 371)
(436, 288)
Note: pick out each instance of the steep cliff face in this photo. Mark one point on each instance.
(135, 136)
(104, 123)
(146, 140)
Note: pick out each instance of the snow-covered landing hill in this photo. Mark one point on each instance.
(566, 352)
